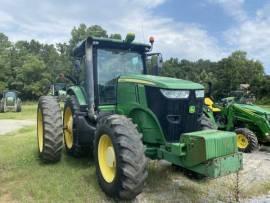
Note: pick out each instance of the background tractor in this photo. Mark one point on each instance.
(124, 116)
(10, 101)
(238, 113)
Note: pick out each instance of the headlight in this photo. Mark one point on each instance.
(199, 93)
(175, 94)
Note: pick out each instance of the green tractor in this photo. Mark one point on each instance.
(125, 117)
(10, 101)
(238, 113)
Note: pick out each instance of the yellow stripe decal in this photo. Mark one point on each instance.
(137, 81)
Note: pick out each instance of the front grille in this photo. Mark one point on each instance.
(173, 114)
(10, 101)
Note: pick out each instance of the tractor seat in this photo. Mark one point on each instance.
(209, 102)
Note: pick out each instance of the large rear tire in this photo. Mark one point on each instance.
(119, 157)
(246, 140)
(49, 129)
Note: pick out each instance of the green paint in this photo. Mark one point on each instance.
(162, 82)
(192, 109)
(207, 144)
(79, 93)
(131, 101)
(220, 166)
(107, 108)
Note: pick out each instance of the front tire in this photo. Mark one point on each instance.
(246, 140)
(119, 157)
(71, 137)
(49, 129)
(206, 123)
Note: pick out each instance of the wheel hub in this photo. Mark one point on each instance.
(110, 157)
(68, 127)
(242, 141)
(106, 158)
(40, 130)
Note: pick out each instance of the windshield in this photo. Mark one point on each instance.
(110, 65)
(10, 94)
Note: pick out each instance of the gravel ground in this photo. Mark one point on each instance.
(173, 186)
(256, 175)
(9, 125)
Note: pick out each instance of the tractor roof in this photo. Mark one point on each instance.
(79, 50)
(10, 91)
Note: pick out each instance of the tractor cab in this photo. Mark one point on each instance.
(101, 62)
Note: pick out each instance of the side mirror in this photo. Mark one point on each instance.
(157, 63)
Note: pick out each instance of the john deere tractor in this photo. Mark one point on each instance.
(237, 113)
(124, 116)
(10, 101)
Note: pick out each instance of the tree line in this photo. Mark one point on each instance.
(31, 66)
(226, 75)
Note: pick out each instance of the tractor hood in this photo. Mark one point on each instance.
(253, 108)
(161, 82)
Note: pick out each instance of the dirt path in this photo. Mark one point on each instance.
(9, 125)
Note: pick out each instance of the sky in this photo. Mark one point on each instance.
(187, 29)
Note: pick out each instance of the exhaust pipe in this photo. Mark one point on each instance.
(90, 81)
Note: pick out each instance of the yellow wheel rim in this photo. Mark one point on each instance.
(40, 130)
(68, 127)
(242, 141)
(106, 158)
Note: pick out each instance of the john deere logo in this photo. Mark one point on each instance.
(192, 109)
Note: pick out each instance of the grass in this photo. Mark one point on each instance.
(28, 112)
(24, 178)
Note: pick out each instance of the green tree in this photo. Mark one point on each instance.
(5, 47)
(116, 36)
(235, 70)
(32, 77)
(80, 33)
